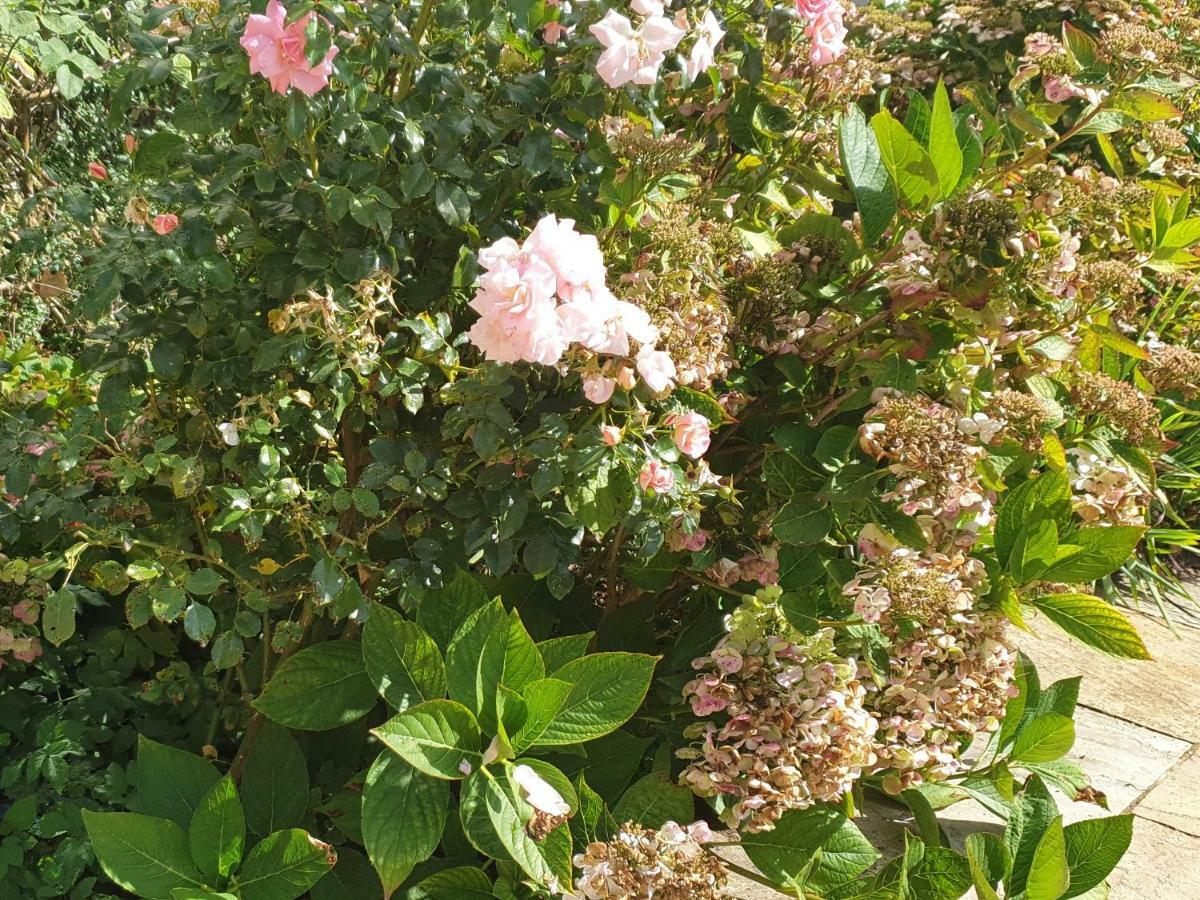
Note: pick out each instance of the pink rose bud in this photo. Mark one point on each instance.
(657, 477)
(598, 389)
(691, 433)
(165, 223)
(130, 143)
(610, 434)
(98, 171)
(626, 378)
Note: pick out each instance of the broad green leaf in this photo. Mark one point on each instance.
(868, 177)
(403, 816)
(170, 783)
(319, 688)
(145, 855)
(1043, 739)
(782, 853)
(217, 834)
(940, 874)
(352, 878)
(443, 611)
(458, 883)
(607, 689)
(907, 162)
(1048, 875)
(494, 818)
(1094, 622)
(653, 800)
(543, 699)
(1093, 849)
(989, 862)
(491, 649)
(402, 660)
(1101, 552)
(943, 143)
(1033, 812)
(800, 522)
(438, 737)
(283, 866)
(1145, 105)
(275, 781)
(557, 652)
(1045, 497)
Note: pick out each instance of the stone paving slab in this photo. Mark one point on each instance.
(1175, 801)
(1162, 694)
(1162, 864)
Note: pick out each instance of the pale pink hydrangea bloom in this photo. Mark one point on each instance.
(276, 51)
(656, 477)
(690, 432)
(634, 55)
(708, 35)
(679, 540)
(1060, 88)
(26, 611)
(827, 31)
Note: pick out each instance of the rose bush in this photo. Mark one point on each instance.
(525, 449)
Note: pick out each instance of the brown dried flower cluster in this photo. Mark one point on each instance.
(668, 864)
(1023, 415)
(1171, 367)
(1120, 404)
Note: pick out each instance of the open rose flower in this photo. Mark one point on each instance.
(634, 55)
(276, 51)
(691, 433)
(827, 32)
(656, 368)
(656, 477)
(598, 389)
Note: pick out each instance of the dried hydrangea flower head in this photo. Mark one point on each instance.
(934, 460)
(1106, 491)
(1023, 416)
(905, 585)
(1120, 404)
(945, 684)
(1173, 368)
(668, 864)
(786, 727)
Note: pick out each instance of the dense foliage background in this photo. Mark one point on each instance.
(515, 449)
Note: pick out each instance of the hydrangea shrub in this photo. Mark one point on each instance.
(563, 449)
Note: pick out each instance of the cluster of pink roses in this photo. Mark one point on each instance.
(636, 54)
(537, 298)
(276, 51)
(826, 29)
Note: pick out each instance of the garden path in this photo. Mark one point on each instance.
(1137, 734)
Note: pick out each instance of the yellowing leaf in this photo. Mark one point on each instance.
(266, 566)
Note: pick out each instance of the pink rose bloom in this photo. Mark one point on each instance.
(656, 477)
(610, 434)
(575, 258)
(165, 223)
(1060, 89)
(691, 433)
(605, 324)
(98, 171)
(656, 368)
(518, 319)
(827, 33)
(810, 9)
(26, 611)
(631, 55)
(708, 35)
(647, 7)
(130, 143)
(276, 51)
(598, 389)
